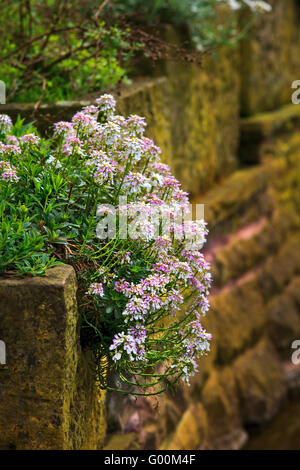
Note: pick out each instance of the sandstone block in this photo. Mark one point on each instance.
(48, 398)
(261, 384)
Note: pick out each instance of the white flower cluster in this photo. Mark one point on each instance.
(5, 123)
(254, 5)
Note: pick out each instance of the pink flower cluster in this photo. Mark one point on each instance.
(97, 289)
(7, 172)
(10, 149)
(29, 139)
(131, 342)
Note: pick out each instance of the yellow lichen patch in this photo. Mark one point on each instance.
(220, 401)
(49, 399)
(127, 441)
(284, 320)
(267, 124)
(239, 317)
(229, 206)
(270, 58)
(191, 431)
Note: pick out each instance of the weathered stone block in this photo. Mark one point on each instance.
(282, 434)
(204, 112)
(243, 253)
(237, 201)
(129, 441)
(261, 383)
(220, 401)
(191, 431)
(294, 291)
(280, 268)
(284, 319)
(239, 315)
(270, 58)
(256, 129)
(48, 398)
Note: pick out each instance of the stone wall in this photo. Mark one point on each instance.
(254, 247)
(255, 311)
(253, 214)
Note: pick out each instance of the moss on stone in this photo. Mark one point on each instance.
(294, 292)
(126, 441)
(239, 318)
(270, 58)
(242, 255)
(220, 402)
(270, 123)
(256, 129)
(236, 202)
(260, 381)
(280, 268)
(284, 320)
(191, 432)
(48, 395)
(204, 116)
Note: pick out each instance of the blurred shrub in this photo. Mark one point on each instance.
(210, 22)
(56, 49)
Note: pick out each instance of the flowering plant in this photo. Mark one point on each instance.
(144, 284)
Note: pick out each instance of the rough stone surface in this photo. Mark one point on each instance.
(239, 318)
(260, 382)
(256, 129)
(273, 280)
(270, 58)
(236, 202)
(284, 319)
(220, 401)
(255, 254)
(191, 431)
(204, 116)
(48, 397)
(128, 441)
